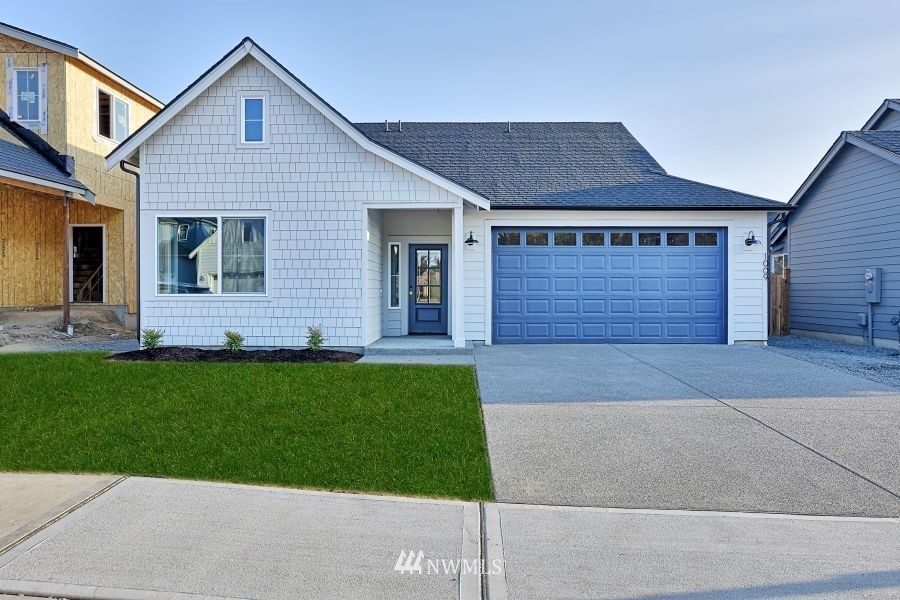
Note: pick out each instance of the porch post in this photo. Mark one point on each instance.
(67, 248)
(456, 279)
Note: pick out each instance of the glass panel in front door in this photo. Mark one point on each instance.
(428, 276)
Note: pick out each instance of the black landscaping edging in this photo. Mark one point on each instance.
(186, 354)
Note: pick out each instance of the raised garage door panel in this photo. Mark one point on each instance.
(650, 285)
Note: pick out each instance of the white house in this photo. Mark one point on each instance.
(494, 232)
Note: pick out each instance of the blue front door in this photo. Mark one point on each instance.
(428, 288)
(622, 285)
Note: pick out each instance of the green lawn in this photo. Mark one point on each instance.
(397, 429)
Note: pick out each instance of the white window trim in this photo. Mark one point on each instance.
(399, 273)
(776, 255)
(253, 95)
(219, 295)
(112, 115)
(15, 94)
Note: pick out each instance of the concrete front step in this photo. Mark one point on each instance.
(418, 350)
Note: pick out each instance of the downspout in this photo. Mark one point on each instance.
(137, 239)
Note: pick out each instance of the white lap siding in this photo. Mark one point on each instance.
(311, 181)
(747, 292)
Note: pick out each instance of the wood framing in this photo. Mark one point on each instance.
(72, 81)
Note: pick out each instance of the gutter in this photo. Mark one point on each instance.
(137, 240)
(71, 189)
(784, 208)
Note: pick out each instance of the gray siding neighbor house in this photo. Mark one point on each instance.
(846, 220)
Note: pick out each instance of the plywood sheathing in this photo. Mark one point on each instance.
(31, 237)
(71, 93)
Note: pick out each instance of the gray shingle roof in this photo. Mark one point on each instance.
(28, 161)
(553, 165)
(886, 139)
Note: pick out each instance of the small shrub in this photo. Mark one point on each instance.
(233, 341)
(315, 337)
(151, 338)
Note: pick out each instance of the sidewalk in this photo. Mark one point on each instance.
(149, 539)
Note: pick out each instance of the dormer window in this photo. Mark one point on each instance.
(253, 120)
(112, 117)
(27, 93)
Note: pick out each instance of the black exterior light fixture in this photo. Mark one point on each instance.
(751, 239)
(471, 241)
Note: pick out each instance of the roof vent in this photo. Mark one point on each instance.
(386, 126)
(509, 127)
(399, 125)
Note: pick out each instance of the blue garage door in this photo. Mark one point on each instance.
(567, 285)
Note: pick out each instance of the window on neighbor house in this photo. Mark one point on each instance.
(112, 117)
(27, 94)
(394, 275)
(253, 120)
(211, 255)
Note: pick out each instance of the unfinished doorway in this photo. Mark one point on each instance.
(88, 265)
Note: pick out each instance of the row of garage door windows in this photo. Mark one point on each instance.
(598, 238)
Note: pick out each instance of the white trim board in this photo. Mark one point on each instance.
(732, 230)
(248, 47)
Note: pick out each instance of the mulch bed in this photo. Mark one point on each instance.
(183, 354)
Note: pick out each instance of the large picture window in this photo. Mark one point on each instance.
(211, 255)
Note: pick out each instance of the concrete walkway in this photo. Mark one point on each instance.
(731, 428)
(29, 500)
(157, 539)
(574, 553)
(151, 539)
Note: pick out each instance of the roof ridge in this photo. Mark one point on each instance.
(502, 122)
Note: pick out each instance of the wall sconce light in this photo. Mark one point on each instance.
(751, 239)
(471, 241)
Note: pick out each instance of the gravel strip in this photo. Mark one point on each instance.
(110, 346)
(875, 364)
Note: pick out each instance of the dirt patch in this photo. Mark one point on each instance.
(27, 330)
(183, 354)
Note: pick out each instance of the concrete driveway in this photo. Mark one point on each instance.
(734, 428)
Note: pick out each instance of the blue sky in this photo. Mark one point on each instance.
(743, 95)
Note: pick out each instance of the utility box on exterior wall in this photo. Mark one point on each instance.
(873, 284)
